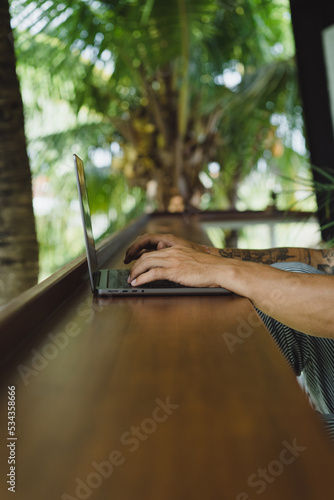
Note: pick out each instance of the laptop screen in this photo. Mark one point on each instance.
(86, 219)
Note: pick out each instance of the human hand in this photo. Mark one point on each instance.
(177, 263)
(150, 242)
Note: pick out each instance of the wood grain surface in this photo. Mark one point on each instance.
(160, 398)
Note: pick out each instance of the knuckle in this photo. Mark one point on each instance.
(154, 272)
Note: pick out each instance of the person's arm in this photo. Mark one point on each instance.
(302, 301)
(320, 259)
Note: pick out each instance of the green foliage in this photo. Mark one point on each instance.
(153, 76)
(324, 187)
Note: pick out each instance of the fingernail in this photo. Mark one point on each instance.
(133, 282)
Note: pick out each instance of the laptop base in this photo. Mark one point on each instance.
(114, 282)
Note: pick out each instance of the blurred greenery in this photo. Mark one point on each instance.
(180, 104)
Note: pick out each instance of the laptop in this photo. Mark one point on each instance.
(114, 281)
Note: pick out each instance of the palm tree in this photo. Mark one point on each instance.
(151, 71)
(18, 243)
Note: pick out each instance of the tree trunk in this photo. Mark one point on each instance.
(18, 242)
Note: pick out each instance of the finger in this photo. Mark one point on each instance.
(157, 273)
(164, 257)
(147, 242)
(142, 243)
(145, 263)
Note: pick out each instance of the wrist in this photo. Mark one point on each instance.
(209, 250)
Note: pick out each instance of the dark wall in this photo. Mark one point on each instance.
(309, 19)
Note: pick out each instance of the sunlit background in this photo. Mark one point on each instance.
(110, 86)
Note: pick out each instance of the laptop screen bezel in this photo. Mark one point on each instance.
(92, 261)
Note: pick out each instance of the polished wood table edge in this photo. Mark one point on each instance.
(94, 370)
(23, 314)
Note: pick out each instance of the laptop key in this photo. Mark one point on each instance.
(120, 280)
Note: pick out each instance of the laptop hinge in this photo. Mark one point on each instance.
(97, 279)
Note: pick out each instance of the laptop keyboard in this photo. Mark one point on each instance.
(120, 280)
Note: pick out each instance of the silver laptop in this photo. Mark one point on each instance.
(114, 281)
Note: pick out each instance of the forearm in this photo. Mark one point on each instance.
(267, 256)
(302, 301)
(319, 259)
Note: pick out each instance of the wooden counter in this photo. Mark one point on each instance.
(158, 398)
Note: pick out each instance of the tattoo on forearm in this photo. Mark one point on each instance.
(327, 264)
(260, 256)
(230, 253)
(326, 268)
(322, 259)
(307, 256)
